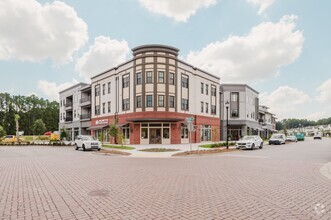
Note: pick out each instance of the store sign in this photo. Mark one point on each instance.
(101, 122)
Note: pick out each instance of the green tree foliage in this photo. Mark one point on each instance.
(2, 132)
(113, 132)
(297, 123)
(29, 108)
(39, 127)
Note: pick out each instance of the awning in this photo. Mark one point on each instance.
(122, 125)
(97, 127)
(155, 119)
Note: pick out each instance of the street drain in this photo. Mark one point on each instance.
(99, 192)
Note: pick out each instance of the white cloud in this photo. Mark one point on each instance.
(285, 101)
(179, 10)
(317, 116)
(263, 4)
(33, 32)
(256, 56)
(324, 92)
(104, 54)
(51, 90)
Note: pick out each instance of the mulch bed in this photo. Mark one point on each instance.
(205, 152)
(112, 152)
(158, 150)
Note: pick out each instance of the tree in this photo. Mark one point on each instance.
(2, 132)
(113, 132)
(39, 127)
(63, 134)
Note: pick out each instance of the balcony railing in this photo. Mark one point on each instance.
(85, 116)
(68, 104)
(86, 99)
(68, 119)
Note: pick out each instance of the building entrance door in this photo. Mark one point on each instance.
(155, 136)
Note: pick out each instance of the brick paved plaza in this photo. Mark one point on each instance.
(277, 182)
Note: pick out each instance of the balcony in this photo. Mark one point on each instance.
(85, 117)
(68, 119)
(85, 101)
(68, 105)
(262, 121)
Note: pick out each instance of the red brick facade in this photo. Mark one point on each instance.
(173, 118)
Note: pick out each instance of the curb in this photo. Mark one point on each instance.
(326, 170)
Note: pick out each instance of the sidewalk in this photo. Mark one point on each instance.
(326, 170)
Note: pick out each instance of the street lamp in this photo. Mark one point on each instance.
(227, 123)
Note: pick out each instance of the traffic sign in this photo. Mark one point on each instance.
(190, 119)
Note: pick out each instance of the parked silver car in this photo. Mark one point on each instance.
(87, 142)
(291, 138)
(250, 142)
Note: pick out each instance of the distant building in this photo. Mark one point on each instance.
(75, 110)
(245, 115)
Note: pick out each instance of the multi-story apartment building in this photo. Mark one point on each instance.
(267, 121)
(151, 96)
(75, 110)
(242, 103)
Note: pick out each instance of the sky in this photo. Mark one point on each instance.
(281, 48)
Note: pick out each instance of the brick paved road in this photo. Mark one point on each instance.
(278, 182)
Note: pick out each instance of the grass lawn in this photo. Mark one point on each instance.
(118, 147)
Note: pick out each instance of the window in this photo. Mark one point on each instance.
(161, 100)
(171, 78)
(202, 85)
(126, 104)
(184, 82)
(149, 101)
(138, 104)
(205, 133)
(184, 104)
(207, 88)
(202, 104)
(213, 109)
(138, 79)
(103, 89)
(103, 108)
(234, 105)
(213, 91)
(149, 77)
(184, 132)
(109, 107)
(97, 90)
(74, 113)
(171, 101)
(166, 133)
(109, 87)
(207, 107)
(144, 133)
(126, 81)
(161, 77)
(126, 132)
(97, 110)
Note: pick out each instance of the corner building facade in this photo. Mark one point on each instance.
(152, 95)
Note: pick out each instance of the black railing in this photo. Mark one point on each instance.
(85, 116)
(68, 118)
(87, 99)
(68, 104)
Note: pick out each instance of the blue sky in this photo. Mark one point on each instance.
(279, 47)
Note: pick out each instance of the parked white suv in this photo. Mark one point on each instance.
(250, 142)
(277, 139)
(318, 136)
(87, 142)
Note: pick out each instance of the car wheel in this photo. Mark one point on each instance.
(76, 147)
(261, 146)
(99, 149)
(84, 149)
(253, 145)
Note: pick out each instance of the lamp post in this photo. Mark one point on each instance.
(227, 123)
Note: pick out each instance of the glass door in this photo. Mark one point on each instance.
(155, 136)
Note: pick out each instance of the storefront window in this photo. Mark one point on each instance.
(144, 133)
(205, 133)
(166, 133)
(184, 132)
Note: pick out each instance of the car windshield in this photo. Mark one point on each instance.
(276, 136)
(248, 138)
(88, 138)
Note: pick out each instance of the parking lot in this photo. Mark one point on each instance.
(277, 182)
